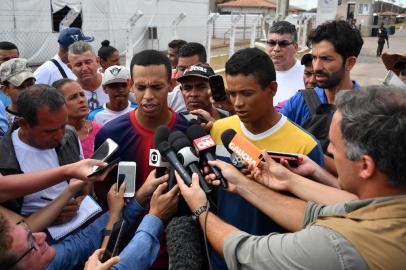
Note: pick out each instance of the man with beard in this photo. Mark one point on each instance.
(335, 48)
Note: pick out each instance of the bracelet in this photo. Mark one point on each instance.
(106, 232)
(199, 211)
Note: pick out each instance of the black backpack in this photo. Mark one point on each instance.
(320, 117)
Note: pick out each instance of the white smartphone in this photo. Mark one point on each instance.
(126, 173)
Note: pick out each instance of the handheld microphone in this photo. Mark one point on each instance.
(187, 156)
(204, 144)
(155, 158)
(243, 148)
(166, 150)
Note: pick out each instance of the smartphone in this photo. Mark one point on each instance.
(292, 159)
(113, 244)
(101, 170)
(104, 151)
(218, 91)
(126, 173)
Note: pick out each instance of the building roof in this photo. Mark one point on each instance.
(388, 13)
(255, 4)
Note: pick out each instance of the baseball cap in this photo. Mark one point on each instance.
(71, 34)
(15, 71)
(200, 70)
(115, 74)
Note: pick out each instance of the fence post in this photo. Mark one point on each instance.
(175, 24)
(210, 30)
(129, 44)
(235, 18)
(254, 30)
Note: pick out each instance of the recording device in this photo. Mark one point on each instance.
(105, 150)
(179, 231)
(293, 160)
(126, 173)
(193, 118)
(205, 146)
(218, 91)
(155, 158)
(100, 170)
(187, 156)
(166, 151)
(245, 149)
(114, 241)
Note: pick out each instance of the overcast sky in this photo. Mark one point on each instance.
(308, 4)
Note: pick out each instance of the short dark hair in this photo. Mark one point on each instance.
(6, 45)
(149, 58)
(106, 50)
(252, 61)
(7, 259)
(193, 48)
(346, 40)
(367, 116)
(307, 59)
(36, 96)
(284, 27)
(176, 43)
(61, 82)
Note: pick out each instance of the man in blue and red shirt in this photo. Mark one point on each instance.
(134, 131)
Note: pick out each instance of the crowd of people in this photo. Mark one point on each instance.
(341, 206)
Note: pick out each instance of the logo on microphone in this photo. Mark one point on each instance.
(203, 143)
(246, 150)
(155, 159)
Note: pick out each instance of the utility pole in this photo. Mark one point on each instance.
(282, 9)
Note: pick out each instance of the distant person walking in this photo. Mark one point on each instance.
(382, 36)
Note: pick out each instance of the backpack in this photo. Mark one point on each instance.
(320, 117)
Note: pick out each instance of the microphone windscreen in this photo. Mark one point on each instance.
(178, 140)
(185, 250)
(164, 148)
(226, 138)
(161, 134)
(195, 131)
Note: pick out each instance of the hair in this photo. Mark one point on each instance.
(6, 257)
(6, 45)
(284, 27)
(374, 123)
(60, 83)
(106, 50)
(35, 97)
(192, 49)
(252, 61)
(176, 43)
(346, 40)
(151, 57)
(307, 60)
(79, 47)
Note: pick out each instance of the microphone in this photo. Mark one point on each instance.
(166, 150)
(155, 158)
(187, 156)
(184, 244)
(204, 144)
(242, 147)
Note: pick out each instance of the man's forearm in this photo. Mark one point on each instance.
(285, 210)
(217, 231)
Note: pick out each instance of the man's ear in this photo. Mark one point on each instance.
(368, 167)
(69, 65)
(172, 84)
(130, 84)
(350, 63)
(273, 87)
(23, 124)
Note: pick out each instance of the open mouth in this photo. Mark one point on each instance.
(149, 108)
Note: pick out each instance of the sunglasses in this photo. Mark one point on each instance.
(281, 43)
(31, 242)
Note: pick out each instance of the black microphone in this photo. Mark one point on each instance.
(184, 244)
(155, 158)
(166, 150)
(187, 156)
(205, 145)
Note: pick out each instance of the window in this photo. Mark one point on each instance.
(363, 9)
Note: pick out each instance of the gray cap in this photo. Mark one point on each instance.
(115, 74)
(15, 71)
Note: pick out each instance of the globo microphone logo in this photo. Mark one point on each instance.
(154, 157)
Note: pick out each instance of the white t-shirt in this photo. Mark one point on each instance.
(176, 101)
(106, 115)
(32, 159)
(289, 82)
(48, 73)
(99, 97)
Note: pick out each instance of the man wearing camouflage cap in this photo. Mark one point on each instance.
(15, 76)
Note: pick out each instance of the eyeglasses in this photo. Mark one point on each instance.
(31, 242)
(281, 43)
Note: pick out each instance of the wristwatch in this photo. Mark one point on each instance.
(199, 211)
(106, 232)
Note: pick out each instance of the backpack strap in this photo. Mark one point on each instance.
(59, 68)
(312, 100)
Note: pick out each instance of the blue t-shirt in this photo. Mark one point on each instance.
(296, 108)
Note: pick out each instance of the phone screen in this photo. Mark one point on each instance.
(114, 241)
(218, 90)
(292, 159)
(126, 173)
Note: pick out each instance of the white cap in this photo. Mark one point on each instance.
(115, 74)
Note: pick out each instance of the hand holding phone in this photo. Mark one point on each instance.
(126, 173)
(112, 248)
